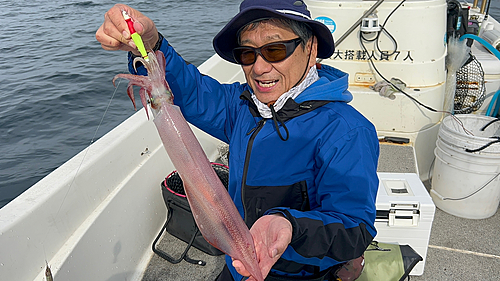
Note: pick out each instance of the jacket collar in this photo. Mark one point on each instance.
(290, 110)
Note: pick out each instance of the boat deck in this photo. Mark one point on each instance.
(459, 249)
(160, 269)
(463, 249)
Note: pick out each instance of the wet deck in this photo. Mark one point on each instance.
(459, 249)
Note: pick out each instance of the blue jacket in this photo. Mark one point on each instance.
(322, 178)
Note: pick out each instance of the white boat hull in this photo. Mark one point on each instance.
(95, 216)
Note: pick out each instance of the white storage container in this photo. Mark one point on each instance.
(405, 213)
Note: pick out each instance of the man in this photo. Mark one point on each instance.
(302, 161)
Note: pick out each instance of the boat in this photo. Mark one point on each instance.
(96, 216)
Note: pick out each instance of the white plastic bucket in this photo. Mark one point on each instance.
(467, 184)
(453, 133)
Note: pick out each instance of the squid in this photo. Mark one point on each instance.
(213, 210)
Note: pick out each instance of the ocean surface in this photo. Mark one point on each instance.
(55, 79)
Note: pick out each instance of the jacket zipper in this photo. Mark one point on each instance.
(254, 133)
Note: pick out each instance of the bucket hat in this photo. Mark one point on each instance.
(251, 10)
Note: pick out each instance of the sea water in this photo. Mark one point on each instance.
(55, 81)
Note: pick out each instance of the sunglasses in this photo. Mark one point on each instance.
(272, 52)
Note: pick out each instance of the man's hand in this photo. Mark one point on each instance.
(271, 236)
(114, 34)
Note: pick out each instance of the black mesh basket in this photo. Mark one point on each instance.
(180, 222)
(470, 90)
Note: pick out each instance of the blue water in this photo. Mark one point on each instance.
(56, 79)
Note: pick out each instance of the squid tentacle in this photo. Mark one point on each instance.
(135, 80)
(144, 94)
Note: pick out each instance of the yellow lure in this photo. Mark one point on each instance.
(140, 45)
(135, 36)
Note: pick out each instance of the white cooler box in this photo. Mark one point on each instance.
(405, 212)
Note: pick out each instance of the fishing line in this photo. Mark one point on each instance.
(88, 148)
(79, 166)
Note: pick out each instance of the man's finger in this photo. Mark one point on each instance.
(109, 43)
(238, 265)
(116, 19)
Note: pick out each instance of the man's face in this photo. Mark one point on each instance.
(270, 80)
